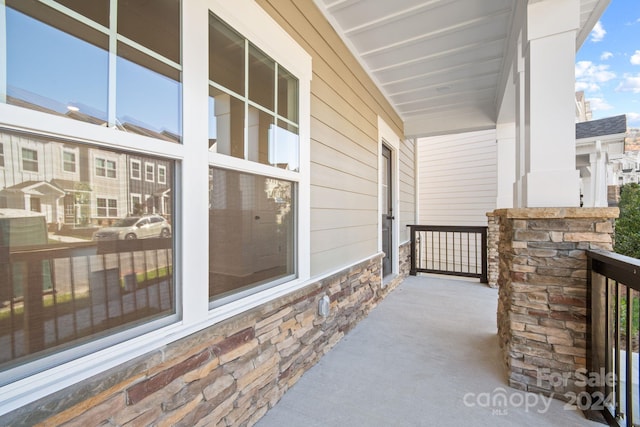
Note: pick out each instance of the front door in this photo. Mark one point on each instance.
(387, 212)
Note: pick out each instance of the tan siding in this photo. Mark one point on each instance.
(345, 105)
(458, 178)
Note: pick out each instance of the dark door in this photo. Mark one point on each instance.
(387, 212)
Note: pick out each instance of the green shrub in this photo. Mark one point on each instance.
(627, 235)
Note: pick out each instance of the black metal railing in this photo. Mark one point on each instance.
(54, 295)
(456, 251)
(614, 379)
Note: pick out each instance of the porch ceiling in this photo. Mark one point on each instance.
(442, 64)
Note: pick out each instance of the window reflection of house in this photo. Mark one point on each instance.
(149, 186)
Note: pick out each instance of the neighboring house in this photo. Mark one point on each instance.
(279, 137)
(599, 154)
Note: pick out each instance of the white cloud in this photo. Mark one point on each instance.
(630, 83)
(633, 119)
(635, 58)
(606, 55)
(598, 32)
(599, 104)
(589, 76)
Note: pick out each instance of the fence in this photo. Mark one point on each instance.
(457, 251)
(53, 296)
(614, 283)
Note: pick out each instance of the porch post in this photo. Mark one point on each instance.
(550, 177)
(506, 148)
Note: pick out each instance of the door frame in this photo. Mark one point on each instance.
(391, 140)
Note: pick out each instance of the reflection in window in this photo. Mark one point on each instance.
(261, 78)
(135, 169)
(106, 168)
(56, 71)
(60, 65)
(69, 161)
(251, 232)
(149, 174)
(90, 269)
(254, 137)
(226, 56)
(226, 124)
(107, 207)
(148, 96)
(162, 175)
(29, 160)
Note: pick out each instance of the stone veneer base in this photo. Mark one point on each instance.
(542, 307)
(228, 374)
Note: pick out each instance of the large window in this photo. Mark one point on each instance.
(88, 283)
(58, 61)
(253, 116)
(256, 121)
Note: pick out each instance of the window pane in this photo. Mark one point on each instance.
(155, 25)
(226, 56)
(148, 96)
(287, 95)
(226, 124)
(261, 78)
(59, 72)
(285, 151)
(251, 231)
(89, 271)
(96, 10)
(260, 135)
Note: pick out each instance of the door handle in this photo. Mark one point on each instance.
(391, 217)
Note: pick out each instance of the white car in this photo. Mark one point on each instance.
(135, 227)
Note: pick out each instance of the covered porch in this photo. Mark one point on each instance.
(427, 355)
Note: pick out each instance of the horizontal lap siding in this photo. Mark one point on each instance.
(345, 105)
(458, 178)
(407, 188)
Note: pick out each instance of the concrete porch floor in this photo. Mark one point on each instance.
(426, 356)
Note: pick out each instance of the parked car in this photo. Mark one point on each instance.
(135, 227)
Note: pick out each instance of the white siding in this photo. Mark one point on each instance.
(457, 178)
(407, 188)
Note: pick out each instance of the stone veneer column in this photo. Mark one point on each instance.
(493, 238)
(542, 307)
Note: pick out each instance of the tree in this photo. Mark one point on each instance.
(627, 236)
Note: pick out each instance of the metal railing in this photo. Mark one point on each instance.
(52, 296)
(456, 251)
(614, 378)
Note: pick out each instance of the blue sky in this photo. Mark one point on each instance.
(608, 63)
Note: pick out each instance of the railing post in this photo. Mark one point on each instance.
(34, 317)
(412, 271)
(483, 247)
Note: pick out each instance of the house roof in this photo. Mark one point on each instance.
(608, 126)
(442, 64)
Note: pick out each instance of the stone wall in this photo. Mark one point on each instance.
(542, 307)
(493, 238)
(228, 374)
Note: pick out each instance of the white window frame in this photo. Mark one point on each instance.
(146, 172)
(139, 163)
(283, 50)
(36, 161)
(65, 162)
(190, 213)
(106, 199)
(163, 174)
(106, 168)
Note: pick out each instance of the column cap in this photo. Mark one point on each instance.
(557, 213)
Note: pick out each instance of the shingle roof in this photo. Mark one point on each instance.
(609, 126)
